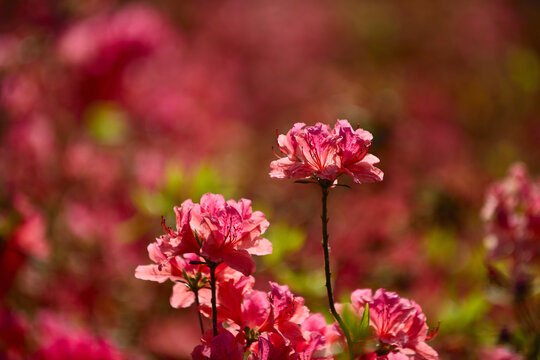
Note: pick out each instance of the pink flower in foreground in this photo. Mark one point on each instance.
(218, 231)
(185, 270)
(399, 324)
(323, 339)
(188, 277)
(512, 216)
(222, 347)
(272, 325)
(323, 153)
(272, 347)
(277, 311)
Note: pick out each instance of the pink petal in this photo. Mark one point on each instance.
(239, 260)
(261, 247)
(425, 352)
(364, 171)
(152, 273)
(360, 297)
(181, 296)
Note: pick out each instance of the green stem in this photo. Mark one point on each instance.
(325, 190)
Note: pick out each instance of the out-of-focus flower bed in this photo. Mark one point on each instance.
(112, 112)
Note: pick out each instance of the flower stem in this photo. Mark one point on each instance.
(324, 217)
(213, 287)
(199, 311)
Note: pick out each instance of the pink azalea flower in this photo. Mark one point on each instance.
(235, 302)
(273, 325)
(178, 269)
(322, 153)
(222, 347)
(512, 217)
(185, 270)
(309, 151)
(287, 312)
(352, 154)
(218, 231)
(277, 311)
(399, 324)
(322, 338)
(272, 347)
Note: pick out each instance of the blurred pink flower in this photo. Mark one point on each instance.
(100, 50)
(321, 153)
(399, 324)
(512, 216)
(108, 41)
(58, 340)
(27, 241)
(500, 353)
(13, 335)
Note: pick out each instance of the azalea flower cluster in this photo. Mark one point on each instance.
(512, 220)
(209, 258)
(398, 323)
(323, 153)
(272, 325)
(512, 217)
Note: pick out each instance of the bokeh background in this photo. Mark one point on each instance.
(112, 112)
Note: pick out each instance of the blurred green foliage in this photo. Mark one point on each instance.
(440, 245)
(466, 317)
(107, 123)
(286, 241)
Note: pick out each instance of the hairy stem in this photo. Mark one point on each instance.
(324, 218)
(214, 305)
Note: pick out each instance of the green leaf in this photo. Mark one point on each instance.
(358, 327)
(364, 322)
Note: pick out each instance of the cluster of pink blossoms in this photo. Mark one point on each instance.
(512, 217)
(398, 323)
(223, 232)
(217, 230)
(270, 325)
(208, 256)
(324, 153)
